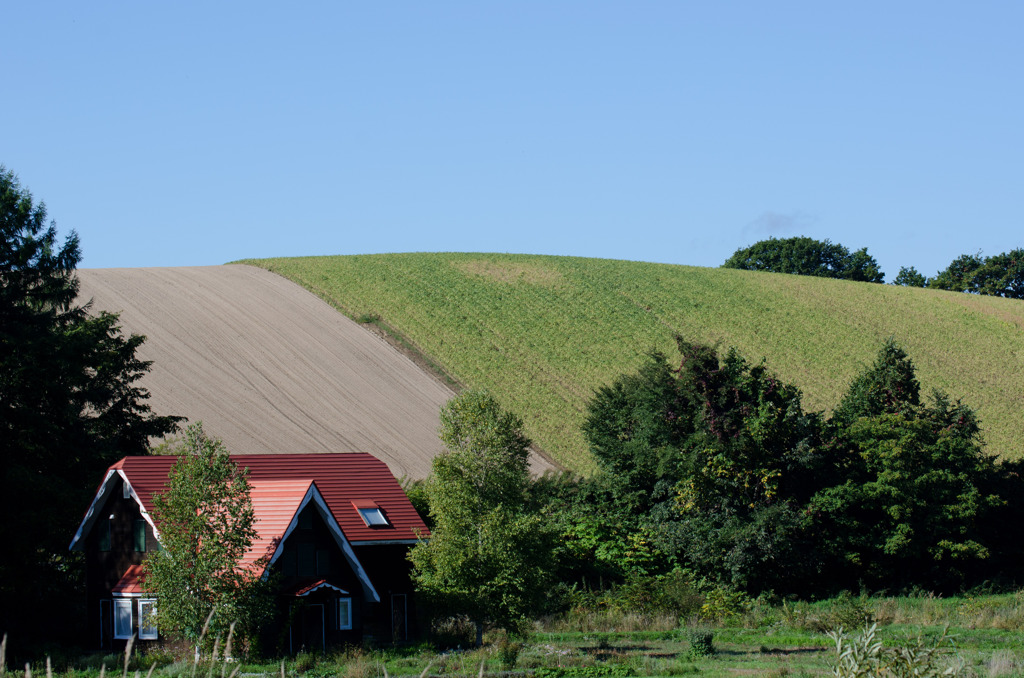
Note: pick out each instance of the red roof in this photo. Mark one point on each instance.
(275, 503)
(130, 582)
(317, 585)
(279, 483)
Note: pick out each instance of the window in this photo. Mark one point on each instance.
(147, 620)
(289, 564)
(123, 622)
(105, 529)
(323, 562)
(307, 560)
(126, 490)
(139, 535)
(373, 517)
(344, 614)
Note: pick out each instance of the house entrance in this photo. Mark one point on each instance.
(308, 629)
(399, 618)
(106, 625)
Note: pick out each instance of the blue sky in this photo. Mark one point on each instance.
(173, 134)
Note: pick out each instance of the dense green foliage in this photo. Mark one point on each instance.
(717, 486)
(909, 277)
(488, 554)
(206, 524)
(70, 405)
(543, 333)
(916, 486)
(715, 467)
(806, 256)
(1001, 275)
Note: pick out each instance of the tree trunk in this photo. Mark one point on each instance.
(479, 634)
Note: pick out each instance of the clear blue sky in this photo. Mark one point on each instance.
(171, 134)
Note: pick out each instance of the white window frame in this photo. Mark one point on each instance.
(147, 631)
(121, 604)
(344, 614)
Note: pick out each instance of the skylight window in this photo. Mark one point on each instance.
(373, 517)
(371, 513)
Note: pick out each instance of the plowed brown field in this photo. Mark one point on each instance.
(268, 367)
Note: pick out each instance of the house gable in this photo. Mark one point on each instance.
(114, 480)
(273, 539)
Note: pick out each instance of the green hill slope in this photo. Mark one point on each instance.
(543, 332)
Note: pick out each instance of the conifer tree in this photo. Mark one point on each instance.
(70, 405)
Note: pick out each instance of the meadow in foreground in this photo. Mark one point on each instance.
(985, 637)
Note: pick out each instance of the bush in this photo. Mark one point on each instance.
(702, 643)
(449, 632)
(864, 655)
(508, 653)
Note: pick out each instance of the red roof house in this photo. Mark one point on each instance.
(335, 528)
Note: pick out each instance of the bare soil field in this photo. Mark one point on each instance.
(269, 367)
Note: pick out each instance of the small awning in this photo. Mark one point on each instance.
(316, 586)
(130, 583)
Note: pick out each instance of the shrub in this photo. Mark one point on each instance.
(864, 655)
(449, 632)
(508, 653)
(701, 643)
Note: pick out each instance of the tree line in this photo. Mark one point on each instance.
(711, 473)
(1000, 275)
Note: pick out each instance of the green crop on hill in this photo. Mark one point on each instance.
(543, 332)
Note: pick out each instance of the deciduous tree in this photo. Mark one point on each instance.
(206, 524)
(806, 256)
(1001, 275)
(909, 277)
(488, 556)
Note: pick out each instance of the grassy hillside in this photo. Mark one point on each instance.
(543, 332)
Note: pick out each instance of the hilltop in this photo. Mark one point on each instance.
(543, 332)
(267, 367)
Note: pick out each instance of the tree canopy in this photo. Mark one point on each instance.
(714, 467)
(913, 487)
(706, 463)
(488, 556)
(1001, 275)
(806, 256)
(70, 405)
(909, 277)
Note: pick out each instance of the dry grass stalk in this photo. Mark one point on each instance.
(227, 648)
(213, 657)
(128, 654)
(424, 674)
(199, 643)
